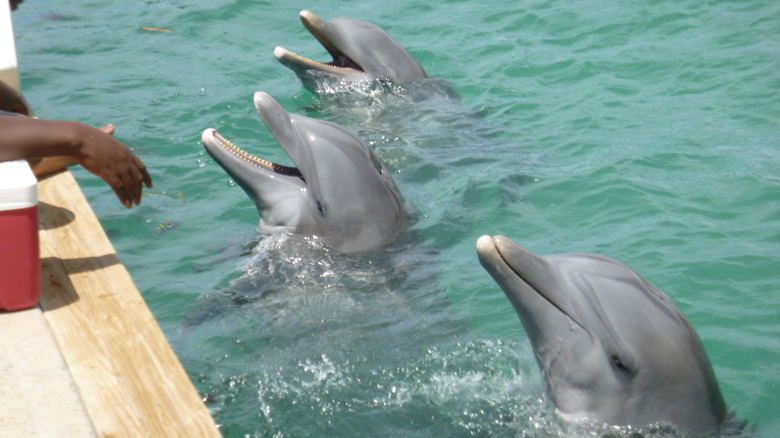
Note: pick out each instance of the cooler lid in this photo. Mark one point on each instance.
(18, 186)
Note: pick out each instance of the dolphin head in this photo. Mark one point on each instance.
(338, 190)
(361, 51)
(610, 346)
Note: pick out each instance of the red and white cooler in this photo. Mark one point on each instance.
(20, 261)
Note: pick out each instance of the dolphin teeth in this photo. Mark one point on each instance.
(340, 62)
(253, 160)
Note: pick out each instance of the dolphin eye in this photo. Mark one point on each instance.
(322, 209)
(620, 365)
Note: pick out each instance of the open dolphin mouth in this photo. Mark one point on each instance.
(248, 158)
(316, 26)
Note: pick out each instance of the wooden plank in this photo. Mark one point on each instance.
(128, 376)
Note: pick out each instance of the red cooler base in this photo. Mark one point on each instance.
(20, 266)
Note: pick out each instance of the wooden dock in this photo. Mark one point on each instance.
(119, 372)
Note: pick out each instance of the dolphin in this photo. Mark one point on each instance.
(338, 190)
(610, 346)
(361, 51)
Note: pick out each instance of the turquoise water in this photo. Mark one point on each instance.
(645, 131)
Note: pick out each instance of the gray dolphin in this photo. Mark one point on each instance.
(611, 347)
(361, 51)
(339, 191)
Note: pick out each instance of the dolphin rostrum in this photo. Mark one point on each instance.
(338, 190)
(610, 346)
(361, 51)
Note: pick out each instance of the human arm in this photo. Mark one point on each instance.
(94, 149)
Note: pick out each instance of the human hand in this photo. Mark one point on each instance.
(103, 155)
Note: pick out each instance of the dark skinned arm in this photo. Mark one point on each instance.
(94, 149)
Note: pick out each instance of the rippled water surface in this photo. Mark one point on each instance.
(645, 131)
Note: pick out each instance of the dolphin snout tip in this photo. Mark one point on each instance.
(207, 135)
(311, 21)
(262, 99)
(279, 52)
(484, 243)
(267, 107)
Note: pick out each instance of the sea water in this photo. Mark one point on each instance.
(644, 131)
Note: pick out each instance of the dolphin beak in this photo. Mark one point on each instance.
(312, 22)
(275, 117)
(318, 28)
(231, 157)
(520, 272)
(500, 250)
